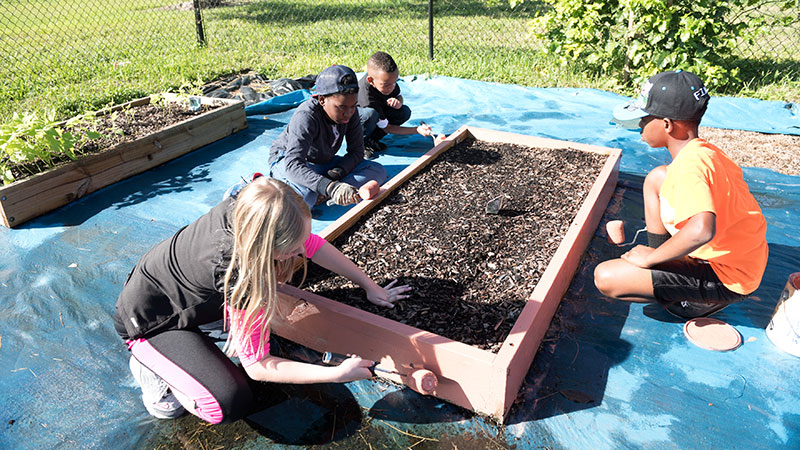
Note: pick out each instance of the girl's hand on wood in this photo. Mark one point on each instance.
(354, 368)
(386, 296)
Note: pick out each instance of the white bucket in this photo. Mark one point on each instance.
(784, 328)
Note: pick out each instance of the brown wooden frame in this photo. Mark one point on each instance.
(31, 197)
(475, 379)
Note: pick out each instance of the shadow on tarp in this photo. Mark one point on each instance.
(407, 406)
(305, 414)
(178, 175)
(571, 367)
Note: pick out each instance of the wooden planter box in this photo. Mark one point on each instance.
(31, 197)
(475, 379)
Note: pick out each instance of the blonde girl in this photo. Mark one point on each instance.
(226, 265)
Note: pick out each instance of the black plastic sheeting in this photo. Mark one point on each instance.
(252, 88)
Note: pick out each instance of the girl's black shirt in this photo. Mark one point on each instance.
(178, 284)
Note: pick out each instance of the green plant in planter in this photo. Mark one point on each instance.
(37, 140)
(187, 94)
(188, 89)
(158, 100)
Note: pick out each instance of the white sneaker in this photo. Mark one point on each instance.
(156, 395)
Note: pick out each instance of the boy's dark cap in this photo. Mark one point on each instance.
(335, 79)
(676, 95)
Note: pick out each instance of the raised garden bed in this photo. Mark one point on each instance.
(149, 147)
(475, 270)
(470, 270)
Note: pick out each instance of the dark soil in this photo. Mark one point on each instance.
(125, 125)
(471, 272)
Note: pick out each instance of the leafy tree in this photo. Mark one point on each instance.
(638, 38)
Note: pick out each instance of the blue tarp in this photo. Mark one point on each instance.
(609, 374)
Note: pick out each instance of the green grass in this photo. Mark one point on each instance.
(78, 55)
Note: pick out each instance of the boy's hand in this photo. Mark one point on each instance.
(342, 193)
(425, 130)
(638, 256)
(386, 296)
(394, 103)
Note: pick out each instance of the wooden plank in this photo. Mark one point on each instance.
(335, 229)
(483, 134)
(31, 197)
(520, 347)
(326, 325)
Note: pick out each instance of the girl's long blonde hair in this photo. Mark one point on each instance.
(269, 219)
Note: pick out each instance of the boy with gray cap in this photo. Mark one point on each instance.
(304, 155)
(706, 234)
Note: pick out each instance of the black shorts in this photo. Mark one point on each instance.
(689, 288)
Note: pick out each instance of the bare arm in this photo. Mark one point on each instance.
(423, 130)
(699, 230)
(274, 369)
(332, 259)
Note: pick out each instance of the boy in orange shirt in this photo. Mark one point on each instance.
(706, 234)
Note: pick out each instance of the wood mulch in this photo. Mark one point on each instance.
(125, 125)
(779, 152)
(470, 271)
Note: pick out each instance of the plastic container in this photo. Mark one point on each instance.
(784, 328)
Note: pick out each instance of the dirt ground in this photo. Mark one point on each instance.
(779, 152)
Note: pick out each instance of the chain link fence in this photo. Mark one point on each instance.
(447, 24)
(48, 45)
(80, 33)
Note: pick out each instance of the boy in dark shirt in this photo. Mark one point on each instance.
(304, 155)
(380, 104)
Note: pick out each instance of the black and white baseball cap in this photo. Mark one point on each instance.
(676, 95)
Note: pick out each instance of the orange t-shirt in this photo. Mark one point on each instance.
(702, 178)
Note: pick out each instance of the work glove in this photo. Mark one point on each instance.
(336, 173)
(342, 193)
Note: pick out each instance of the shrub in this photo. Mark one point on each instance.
(637, 38)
